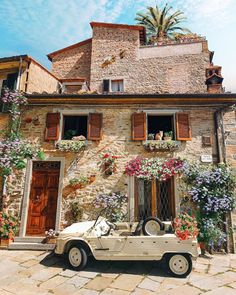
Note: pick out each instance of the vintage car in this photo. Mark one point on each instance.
(145, 240)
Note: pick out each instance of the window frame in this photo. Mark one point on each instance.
(116, 80)
(119, 78)
(159, 114)
(62, 131)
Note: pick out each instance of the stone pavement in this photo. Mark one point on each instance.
(37, 272)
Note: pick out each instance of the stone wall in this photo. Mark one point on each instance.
(116, 140)
(146, 70)
(73, 63)
(39, 80)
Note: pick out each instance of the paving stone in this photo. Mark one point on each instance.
(64, 289)
(110, 291)
(139, 291)
(156, 278)
(85, 292)
(195, 276)
(53, 282)
(68, 273)
(110, 275)
(209, 283)
(222, 260)
(29, 263)
(233, 285)
(126, 282)
(45, 274)
(227, 277)
(200, 267)
(183, 290)
(220, 291)
(4, 292)
(148, 284)
(77, 281)
(216, 269)
(87, 274)
(99, 283)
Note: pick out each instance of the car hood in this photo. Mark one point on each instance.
(78, 228)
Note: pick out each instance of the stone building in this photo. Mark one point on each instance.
(116, 91)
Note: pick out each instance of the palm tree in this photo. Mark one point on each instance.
(161, 23)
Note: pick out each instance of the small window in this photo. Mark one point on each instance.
(157, 123)
(117, 85)
(75, 126)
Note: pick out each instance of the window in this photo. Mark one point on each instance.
(144, 124)
(74, 126)
(154, 198)
(117, 85)
(157, 123)
(90, 126)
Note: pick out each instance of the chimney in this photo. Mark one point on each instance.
(214, 79)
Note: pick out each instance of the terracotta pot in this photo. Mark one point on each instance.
(202, 246)
(76, 186)
(107, 169)
(5, 242)
(92, 178)
(28, 120)
(51, 240)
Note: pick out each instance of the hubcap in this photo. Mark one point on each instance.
(75, 257)
(178, 264)
(152, 227)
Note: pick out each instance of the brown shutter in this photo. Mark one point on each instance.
(139, 126)
(95, 126)
(52, 126)
(183, 126)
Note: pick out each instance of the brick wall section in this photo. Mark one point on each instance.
(73, 63)
(39, 80)
(117, 140)
(175, 73)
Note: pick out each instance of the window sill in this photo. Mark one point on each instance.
(161, 145)
(71, 145)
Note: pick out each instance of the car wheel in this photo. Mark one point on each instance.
(152, 226)
(179, 265)
(77, 257)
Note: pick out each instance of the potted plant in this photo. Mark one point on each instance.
(185, 226)
(168, 135)
(108, 163)
(80, 182)
(151, 136)
(9, 226)
(51, 236)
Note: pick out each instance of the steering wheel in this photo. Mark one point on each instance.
(112, 225)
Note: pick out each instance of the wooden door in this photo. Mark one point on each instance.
(43, 197)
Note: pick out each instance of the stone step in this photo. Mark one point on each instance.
(28, 239)
(31, 246)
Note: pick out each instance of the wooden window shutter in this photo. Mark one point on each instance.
(139, 126)
(52, 126)
(95, 126)
(183, 126)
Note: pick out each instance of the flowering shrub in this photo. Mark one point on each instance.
(9, 225)
(185, 226)
(213, 189)
(114, 205)
(14, 100)
(108, 163)
(70, 145)
(148, 169)
(210, 232)
(14, 154)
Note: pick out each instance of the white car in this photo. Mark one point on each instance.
(148, 240)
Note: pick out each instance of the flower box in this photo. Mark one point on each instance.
(161, 145)
(71, 145)
(51, 240)
(5, 242)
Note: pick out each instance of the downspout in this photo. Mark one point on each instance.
(221, 155)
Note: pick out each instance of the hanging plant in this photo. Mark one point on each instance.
(108, 163)
(71, 145)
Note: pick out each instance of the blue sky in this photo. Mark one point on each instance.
(38, 27)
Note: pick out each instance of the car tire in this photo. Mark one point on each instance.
(178, 264)
(77, 258)
(152, 225)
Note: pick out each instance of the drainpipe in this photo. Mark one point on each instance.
(19, 75)
(221, 155)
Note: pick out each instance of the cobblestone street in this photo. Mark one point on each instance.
(38, 272)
